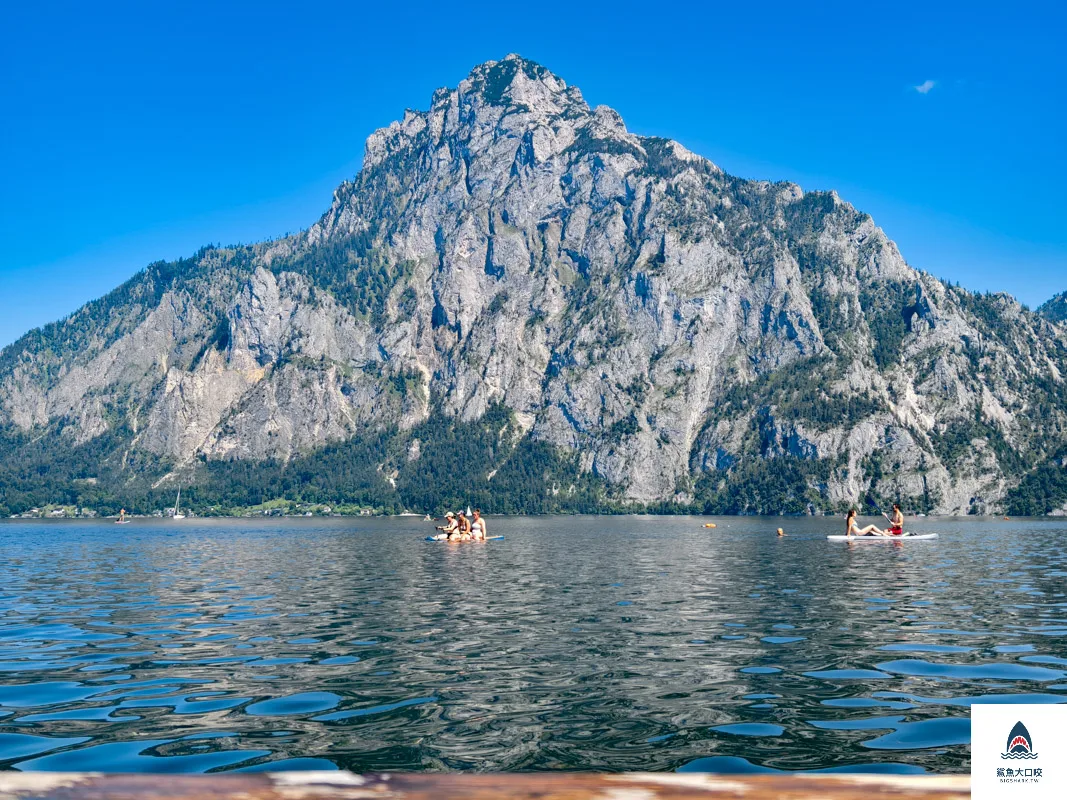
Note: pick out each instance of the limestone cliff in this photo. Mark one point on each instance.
(692, 336)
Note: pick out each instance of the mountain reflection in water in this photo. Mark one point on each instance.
(593, 643)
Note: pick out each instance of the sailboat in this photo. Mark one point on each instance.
(177, 506)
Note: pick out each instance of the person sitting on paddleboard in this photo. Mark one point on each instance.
(896, 523)
(450, 524)
(455, 534)
(852, 529)
(478, 525)
(463, 529)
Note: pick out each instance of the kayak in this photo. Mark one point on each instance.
(882, 538)
(489, 539)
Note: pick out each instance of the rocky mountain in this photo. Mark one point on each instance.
(1055, 309)
(519, 300)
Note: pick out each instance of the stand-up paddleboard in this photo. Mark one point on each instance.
(488, 539)
(122, 522)
(876, 538)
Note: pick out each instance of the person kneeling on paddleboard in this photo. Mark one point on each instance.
(852, 529)
(896, 523)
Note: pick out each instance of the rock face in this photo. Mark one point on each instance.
(694, 337)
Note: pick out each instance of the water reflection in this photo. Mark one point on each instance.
(590, 643)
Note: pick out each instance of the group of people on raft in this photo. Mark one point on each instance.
(460, 528)
(896, 525)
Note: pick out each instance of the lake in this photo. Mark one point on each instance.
(592, 643)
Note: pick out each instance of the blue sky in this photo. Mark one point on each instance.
(133, 132)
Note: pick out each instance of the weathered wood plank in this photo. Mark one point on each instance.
(465, 786)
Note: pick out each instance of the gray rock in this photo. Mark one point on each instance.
(624, 296)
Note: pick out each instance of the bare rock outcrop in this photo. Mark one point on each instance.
(686, 331)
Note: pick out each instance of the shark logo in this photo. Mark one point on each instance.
(1019, 743)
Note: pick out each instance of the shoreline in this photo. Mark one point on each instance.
(416, 517)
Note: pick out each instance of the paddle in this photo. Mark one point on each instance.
(872, 504)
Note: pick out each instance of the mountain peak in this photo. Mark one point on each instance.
(495, 81)
(514, 87)
(520, 83)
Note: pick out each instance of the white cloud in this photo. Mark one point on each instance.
(925, 87)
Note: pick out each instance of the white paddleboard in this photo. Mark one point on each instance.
(488, 539)
(902, 537)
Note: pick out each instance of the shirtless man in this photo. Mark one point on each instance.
(896, 522)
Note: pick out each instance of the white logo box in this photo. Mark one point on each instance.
(1018, 751)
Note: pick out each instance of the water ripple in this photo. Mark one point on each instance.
(654, 645)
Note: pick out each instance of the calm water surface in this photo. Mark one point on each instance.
(575, 643)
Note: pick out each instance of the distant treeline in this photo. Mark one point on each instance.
(1042, 491)
(487, 463)
(442, 464)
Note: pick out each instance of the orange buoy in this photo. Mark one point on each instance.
(709, 524)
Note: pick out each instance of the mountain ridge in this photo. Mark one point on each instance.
(644, 328)
(1055, 308)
